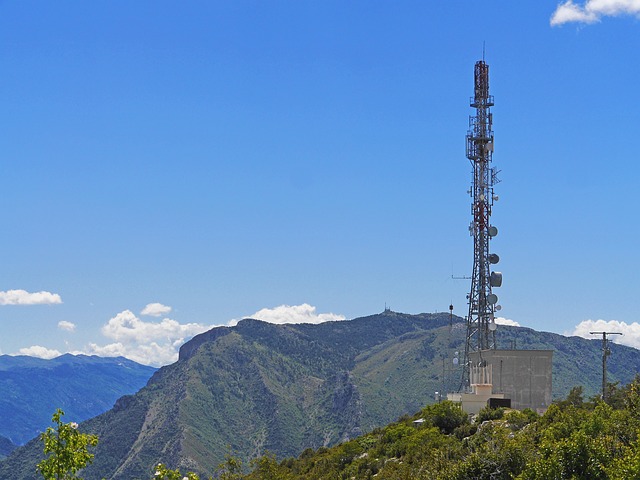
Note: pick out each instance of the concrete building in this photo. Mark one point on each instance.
(524, 376)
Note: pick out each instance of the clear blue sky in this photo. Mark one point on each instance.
(220, 158)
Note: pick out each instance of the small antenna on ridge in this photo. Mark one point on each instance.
(483, 50)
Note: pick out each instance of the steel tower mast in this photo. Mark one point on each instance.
(482, 302)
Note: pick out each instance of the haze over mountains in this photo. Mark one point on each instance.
(83, 386)
(260, 387)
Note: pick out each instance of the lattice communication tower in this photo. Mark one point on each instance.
(481, 324)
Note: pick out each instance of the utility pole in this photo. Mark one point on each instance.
(605, 353)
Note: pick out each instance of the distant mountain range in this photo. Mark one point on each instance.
(83, 386)
(260, 387)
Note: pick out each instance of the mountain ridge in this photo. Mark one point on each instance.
(82, 385)
(284, 388)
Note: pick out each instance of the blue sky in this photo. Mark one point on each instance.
(170, 166)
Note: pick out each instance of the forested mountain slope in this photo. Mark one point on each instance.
(260, 387)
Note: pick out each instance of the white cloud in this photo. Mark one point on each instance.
(155, 310)
(304, 313)
(630, 331)
(151, 354)
(40, 352)
(506, 321)
(593, 10)
(68, 326)
(126, 327)
(22, 297)
(151, 343)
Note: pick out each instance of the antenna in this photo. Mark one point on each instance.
(606, 351)
(481, 326)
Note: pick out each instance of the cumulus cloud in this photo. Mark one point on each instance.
(506, 321)
(126, 327)
(304, 313)
(155, 310)
(593, 10)
(68, 326)
(630, 331)
(151, 343)
(40, 352)
(22, 297)
(152, 354)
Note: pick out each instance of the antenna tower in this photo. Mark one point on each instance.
(481, 324)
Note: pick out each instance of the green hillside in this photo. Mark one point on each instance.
(260, 387)
(574, 439)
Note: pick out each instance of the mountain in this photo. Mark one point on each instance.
(83, 386)
(6, 447)
(260, 387)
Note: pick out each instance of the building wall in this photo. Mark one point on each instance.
(524, 376)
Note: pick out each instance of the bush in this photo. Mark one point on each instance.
(447, 416)
(488, 413)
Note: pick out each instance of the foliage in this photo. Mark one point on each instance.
(488, 413)
(66, 449)
(447, 416)
(230, 469)
(574, 439)
(267, 468)
(164, 473)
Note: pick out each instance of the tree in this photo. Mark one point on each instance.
(267, 468)
(447, 416)
(66, 449)
(230, 469)
(164, 473)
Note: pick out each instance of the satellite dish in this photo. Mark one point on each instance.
(498, 308)
(493, 326)
(493, 258)
(456, 361)
(492, 299)
(496, 198)
(496, 279)
(493, 231)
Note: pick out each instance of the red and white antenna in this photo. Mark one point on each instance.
(481, 324)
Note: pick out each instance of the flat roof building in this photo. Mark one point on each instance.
(524, 376)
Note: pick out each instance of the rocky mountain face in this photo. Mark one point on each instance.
(260, 387)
